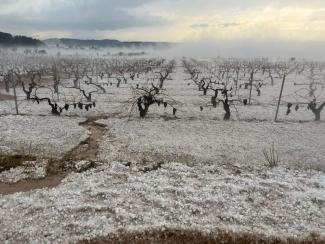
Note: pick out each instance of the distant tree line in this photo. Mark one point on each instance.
(8, 40)
(72, 43)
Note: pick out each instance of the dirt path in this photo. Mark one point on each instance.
(27, 185)
(91, 144)
(56, 170)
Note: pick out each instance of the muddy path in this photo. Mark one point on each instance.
(56, 169)
(88, 149)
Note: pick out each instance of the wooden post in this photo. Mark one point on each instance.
(251, 87)
(280, 96)
(14, 84)
(16, 103)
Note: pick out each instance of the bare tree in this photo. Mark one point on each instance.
(145, 97)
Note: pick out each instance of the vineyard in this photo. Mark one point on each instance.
(97, 146)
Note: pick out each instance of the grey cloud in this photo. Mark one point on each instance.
(198, 26)
(206, 25)
(82, 15)
(230, 24)
(210, 6)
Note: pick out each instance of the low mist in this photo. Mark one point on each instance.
(249, 49)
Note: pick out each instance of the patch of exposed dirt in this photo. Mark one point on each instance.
(197, 237)
(57, 168)
(11, 161)
(27, 185)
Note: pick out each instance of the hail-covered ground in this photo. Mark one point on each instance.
(189, 171)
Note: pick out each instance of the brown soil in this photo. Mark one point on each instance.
(92, 142)
(197, 237)
(11, 161)
(56, 170)
(27, 185)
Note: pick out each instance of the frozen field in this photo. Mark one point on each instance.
(213, 142)
(278, 203)
(46, 136)
(188, 171)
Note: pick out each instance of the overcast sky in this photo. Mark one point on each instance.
(167, 20)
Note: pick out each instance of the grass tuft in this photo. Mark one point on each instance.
(271, 156)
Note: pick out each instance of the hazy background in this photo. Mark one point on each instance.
(205, 27)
